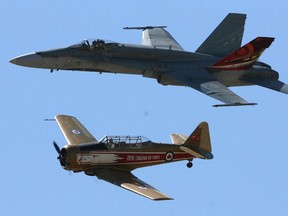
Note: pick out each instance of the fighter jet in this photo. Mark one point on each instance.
(219, 62)
(112, 158)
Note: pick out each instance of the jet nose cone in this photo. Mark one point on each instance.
(28, 60)
(13, 61)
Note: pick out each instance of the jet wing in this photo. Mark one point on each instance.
(158, 37)
(214, 89)
(127, 180)
(74, 132)
(220, 92)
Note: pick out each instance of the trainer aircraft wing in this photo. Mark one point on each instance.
(214, 89)
(74, 132)
(158, 37)
(130, 182)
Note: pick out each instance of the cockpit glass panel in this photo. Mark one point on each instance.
(94, 44)
(124, 139)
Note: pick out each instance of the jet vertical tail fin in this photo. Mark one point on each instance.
(157, 36)
(226, 38)
(244, 57)
(198, 143)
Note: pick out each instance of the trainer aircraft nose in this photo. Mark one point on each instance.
(28, 60)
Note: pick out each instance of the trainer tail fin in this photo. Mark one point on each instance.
(198, 143)
(244, 57)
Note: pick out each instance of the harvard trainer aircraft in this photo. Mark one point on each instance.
(114, 157)
(220, 62)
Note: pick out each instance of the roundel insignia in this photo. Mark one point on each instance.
(169, 156)
(76, 132)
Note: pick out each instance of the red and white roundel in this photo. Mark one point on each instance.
(169, 156)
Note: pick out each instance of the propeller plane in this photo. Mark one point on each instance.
(114, 157)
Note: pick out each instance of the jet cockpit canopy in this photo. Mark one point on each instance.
(94, 44)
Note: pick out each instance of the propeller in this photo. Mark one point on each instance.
(56, 147)
(61, 154)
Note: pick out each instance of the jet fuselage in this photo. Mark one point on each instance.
(142, 60)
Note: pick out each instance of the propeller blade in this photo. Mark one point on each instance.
(61, 155)
(56, 147)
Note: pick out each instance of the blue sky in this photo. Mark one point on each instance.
(249, 173)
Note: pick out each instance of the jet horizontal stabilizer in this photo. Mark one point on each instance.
(143, 27)
(235, 104)
(276, 85)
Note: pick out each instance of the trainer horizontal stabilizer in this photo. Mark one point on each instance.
(178, 139)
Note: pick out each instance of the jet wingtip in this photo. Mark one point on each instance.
(235, 104)
(143, 27)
